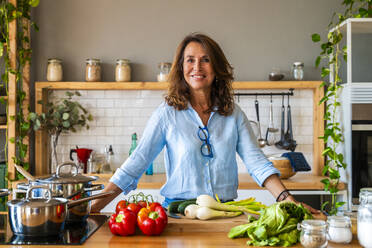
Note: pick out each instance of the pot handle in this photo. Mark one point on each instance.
(58, 172)
(94, 187)
(73, 203)
(48, 194)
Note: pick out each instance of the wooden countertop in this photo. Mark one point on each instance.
(300, 181)
(198, 234)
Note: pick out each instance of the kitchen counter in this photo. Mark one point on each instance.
(300, 181)
(192, 233)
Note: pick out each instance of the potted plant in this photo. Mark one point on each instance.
(63, 115)
(332, 54)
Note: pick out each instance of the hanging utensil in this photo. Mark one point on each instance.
(289, 134)
(261, 141)
(282, 143)
(270, 137)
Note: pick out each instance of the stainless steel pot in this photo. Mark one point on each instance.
(37, 216)
(40, 217)
(70, 185)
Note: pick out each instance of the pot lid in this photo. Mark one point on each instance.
(31, 202)
(65, 178)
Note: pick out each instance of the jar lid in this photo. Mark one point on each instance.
(339, 221)
(54, 60)
(165, 64)
(122, 61)
(314, 225)
(93, 61)
(298, 64)
(365, 195)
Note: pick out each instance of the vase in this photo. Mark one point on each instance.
(53, 160)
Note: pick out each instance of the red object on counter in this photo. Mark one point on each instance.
(152, 222)
(121, 205)
(134, 207)
(123, 223)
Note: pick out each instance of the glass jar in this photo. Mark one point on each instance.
(353, 215)
(313, 233)
(164, 69)
(122, 70)
(298, 70)
(365, 217)
(93, 70)
(54, 70)
(339, 229)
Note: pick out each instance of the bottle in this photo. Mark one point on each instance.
(107, 167)
(364, 221)
(134, 144)
(110, 158)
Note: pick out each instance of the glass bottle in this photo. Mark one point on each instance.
(134, 143)
(313, 233)
(93, 70)
(122, 70)
(298, 70)
(339, 229)
(365, 217)
(54, 70)
(106, 167)
(164, 69)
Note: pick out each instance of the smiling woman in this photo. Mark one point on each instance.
(202, 129)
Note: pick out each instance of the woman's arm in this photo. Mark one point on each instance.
(275, 186)
(98, 204)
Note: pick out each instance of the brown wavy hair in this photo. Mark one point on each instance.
(222, 96)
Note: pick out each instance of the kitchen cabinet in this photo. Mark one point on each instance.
(42, 89)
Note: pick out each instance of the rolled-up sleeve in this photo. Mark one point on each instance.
(258, 166)
(152, 142)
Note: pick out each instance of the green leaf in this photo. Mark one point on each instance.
(315, 37)
(317, 61)
(34, 3)
(339, 204)
(65, 116)
(12, 140)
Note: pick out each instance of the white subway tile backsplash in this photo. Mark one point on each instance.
(117, 114)
(105, 103)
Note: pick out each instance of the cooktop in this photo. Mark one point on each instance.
(73, 234)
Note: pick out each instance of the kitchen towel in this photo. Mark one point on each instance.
(297, 160)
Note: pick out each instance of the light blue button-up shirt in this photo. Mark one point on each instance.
(189, 173)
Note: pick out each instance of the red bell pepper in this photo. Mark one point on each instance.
(134, 207)
(152, 222)
(121, 205)
(123, 223)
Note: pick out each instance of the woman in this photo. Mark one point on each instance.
(202, 129)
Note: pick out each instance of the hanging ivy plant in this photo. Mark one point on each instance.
(19, 13)
(332, 54)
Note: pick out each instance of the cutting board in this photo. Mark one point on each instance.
(195, 225)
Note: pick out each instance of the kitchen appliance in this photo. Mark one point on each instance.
(361, 145)
(73, 234)
(82, 156)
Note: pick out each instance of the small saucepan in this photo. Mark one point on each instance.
(40, 217)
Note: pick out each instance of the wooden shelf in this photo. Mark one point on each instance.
(42, 88)
(163, 85)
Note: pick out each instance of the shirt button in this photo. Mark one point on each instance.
(207, 164)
